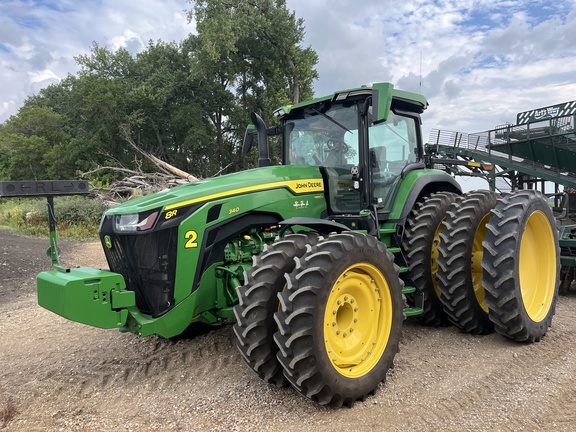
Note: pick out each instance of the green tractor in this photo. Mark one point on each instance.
(320, 259)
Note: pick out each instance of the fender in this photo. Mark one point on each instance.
(425, 185)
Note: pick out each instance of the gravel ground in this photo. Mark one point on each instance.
(60, 375)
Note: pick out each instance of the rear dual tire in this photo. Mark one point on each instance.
(420, 246)
(460, 271)
(521, 265)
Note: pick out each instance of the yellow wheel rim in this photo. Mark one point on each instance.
(434, 258)
(357, 320)
(537, 266)
(476, 262)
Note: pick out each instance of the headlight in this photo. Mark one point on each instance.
(135, 222)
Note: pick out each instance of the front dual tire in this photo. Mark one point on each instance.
(336, 306)
(340, 320)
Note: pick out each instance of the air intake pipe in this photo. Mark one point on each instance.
(263, 155)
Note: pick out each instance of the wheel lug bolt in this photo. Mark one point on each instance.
(334, 359)
(355, 319)
(334, 312)
(346, 298)
(355, 309)
(351, 300)
(351, 329)
(338, 302)
(362, 359)
(369, 352)
(344, 334)
(333, 323)
(337, 332)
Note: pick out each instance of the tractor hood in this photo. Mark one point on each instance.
(295, 178)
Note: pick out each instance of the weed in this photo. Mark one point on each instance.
(8, 412)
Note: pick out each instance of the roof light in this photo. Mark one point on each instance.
(341, 96)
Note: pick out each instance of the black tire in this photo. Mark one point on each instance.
(420, 247)
(459, 262)
(341, 319)
(521, 266)
(258, 300)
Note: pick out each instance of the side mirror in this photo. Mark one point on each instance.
(381, 101)
(248, 138)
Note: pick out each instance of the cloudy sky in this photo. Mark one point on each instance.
(479, 62)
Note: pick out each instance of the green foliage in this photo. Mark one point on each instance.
(76, 216)
(33, 145)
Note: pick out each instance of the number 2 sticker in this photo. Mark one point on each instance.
(191, 236)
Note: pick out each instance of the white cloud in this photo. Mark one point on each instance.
(43, 75)
(129, 40)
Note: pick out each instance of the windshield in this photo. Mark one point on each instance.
(327, 138)
(330, 139)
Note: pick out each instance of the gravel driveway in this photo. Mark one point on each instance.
(60, 375)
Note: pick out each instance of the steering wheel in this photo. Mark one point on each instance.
(331, 143)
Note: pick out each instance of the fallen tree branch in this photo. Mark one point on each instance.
(223, 169)
(176, 171)
(138, 183)
(165, 166)
(101, 168)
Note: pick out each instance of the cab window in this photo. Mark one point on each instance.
(393, 145)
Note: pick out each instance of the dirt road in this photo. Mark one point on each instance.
(60, 375)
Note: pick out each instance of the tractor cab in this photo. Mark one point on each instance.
(364, 141)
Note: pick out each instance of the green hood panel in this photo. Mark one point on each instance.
(298, 179)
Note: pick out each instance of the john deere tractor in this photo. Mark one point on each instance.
(319, 260)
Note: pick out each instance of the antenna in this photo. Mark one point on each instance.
(420, 71)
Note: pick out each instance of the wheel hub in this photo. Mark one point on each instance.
(357, 320)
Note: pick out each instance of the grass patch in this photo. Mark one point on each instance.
(76, 216)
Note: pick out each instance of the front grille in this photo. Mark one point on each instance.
(148, 264)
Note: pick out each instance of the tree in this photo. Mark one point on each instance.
(250, 54)
(150, 94)
(33, 144)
